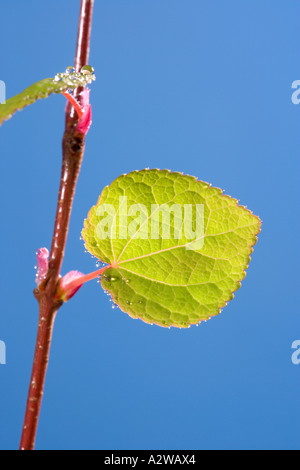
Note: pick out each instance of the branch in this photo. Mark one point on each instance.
(73, 149)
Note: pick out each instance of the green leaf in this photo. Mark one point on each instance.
(42, 89)
(155, 273)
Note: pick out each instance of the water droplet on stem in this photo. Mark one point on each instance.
(87, 69)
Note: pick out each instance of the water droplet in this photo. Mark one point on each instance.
(109, 278)
(70, 70)
(58, 78)
(128, 302)
(87, 69)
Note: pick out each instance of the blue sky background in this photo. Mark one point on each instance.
(195, 86)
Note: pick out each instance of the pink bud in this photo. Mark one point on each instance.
(69, 285)
(42, 264)
(85, 120)
(83, 109)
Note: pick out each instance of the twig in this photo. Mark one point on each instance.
(73, 149)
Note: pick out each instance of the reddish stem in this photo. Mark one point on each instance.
(73, 148)
(39, 369)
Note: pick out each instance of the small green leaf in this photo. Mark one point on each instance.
(157, 272)
(42, 89)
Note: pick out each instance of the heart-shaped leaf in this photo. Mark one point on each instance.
(176, 248)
